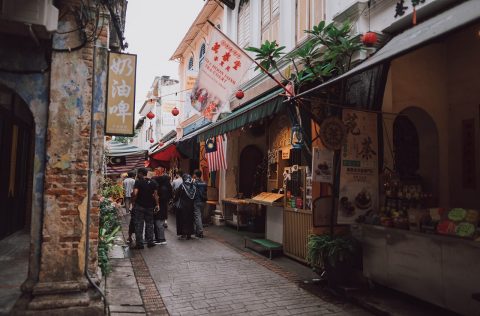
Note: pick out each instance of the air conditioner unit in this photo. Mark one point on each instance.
(35, 12)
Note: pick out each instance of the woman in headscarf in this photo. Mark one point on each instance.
(184, 197)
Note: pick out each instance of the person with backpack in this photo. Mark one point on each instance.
(145, 198)
(164, 194)
(199, 202)
(183, 202)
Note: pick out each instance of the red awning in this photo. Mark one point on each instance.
(163, 157)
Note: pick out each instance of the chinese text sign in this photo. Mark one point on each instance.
(119, 117)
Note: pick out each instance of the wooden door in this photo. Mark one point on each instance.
(250, 159)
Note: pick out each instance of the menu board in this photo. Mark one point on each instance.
(359, 167)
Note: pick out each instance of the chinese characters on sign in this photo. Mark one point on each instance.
(119, 118)
(223, 68)
(359, 167)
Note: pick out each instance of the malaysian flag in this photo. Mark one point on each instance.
(215, 152)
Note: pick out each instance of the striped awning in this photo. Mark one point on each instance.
(123, 158)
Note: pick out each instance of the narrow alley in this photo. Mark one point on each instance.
(210, 277)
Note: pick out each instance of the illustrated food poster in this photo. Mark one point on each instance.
(359, 167)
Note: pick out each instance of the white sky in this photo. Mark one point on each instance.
(153, 30)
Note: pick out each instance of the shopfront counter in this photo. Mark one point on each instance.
(237, 211)
(442, 270)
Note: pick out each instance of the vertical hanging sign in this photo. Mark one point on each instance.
(359, 167)
(119, 115)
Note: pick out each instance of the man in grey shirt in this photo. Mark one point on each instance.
(128, 184)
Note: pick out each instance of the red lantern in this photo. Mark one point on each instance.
(151, 140)
(175, 111)
(369, 39)
(239, 95)
(150, 115)
(160, 144)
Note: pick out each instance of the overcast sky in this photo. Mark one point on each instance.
(153, 30)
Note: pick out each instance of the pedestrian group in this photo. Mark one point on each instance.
(148, 201)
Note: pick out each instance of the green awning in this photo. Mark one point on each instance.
(258, 109)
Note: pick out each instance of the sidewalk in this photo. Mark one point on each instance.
(130, 291)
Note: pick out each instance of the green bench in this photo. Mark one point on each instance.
(265, 244)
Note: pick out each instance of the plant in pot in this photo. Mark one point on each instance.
(335, 255)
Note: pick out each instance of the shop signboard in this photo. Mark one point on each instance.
(322, 165)
(119, 117)
(223, 67)
(359, 167)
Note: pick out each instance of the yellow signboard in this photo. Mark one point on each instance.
(119, 116)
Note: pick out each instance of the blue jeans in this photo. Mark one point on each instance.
(143, 215)
(198, 207)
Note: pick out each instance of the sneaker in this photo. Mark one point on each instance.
(199, 235)
(151, 245)
(161, 242)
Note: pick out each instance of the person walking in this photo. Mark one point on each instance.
(177, 181)
(164, 195)
(184, 197)
(199, 202)
(145, 199)
(128, 185)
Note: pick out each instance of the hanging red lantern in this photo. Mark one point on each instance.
(150, 115)
(369, 39)
(160, 143)
(175, 111)
(151, 140)
(239, 95)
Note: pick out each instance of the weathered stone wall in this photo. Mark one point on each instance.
(33, 88)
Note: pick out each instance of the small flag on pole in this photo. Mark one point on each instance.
(215, 152)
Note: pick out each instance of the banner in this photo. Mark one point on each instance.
(359, 167)
(119, 115)
(220, 74)
(322, 165)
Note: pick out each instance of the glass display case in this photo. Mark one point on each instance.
(295, 184)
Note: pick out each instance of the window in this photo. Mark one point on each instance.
(309, 13)
(270, 20)
(190, 63)
(243, 35)
(201, 55)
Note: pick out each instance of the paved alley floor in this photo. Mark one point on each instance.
(207, 277)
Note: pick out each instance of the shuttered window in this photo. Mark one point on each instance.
(201, 55)
(243, 35)
(309, 13)
(270, 20)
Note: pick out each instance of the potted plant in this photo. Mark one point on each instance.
(335, 255)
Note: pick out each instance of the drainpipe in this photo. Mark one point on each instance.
(89, 186)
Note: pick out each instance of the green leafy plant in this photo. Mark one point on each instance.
(326, 54)
(323, 250)
(112, 190)
(109, 224)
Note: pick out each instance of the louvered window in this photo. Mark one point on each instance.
(201, 55)
(309, 13)
(190, 63)
(270, 20)
(244, 24)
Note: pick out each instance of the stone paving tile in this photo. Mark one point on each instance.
(206, 277)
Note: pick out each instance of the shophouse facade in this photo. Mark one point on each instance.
(53, 90)
(418, 86)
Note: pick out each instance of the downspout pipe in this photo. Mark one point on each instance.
(89, 187)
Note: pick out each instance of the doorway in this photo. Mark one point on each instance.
(251, 159)
(16, 158)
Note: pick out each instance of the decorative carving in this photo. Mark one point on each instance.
(333, 133)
